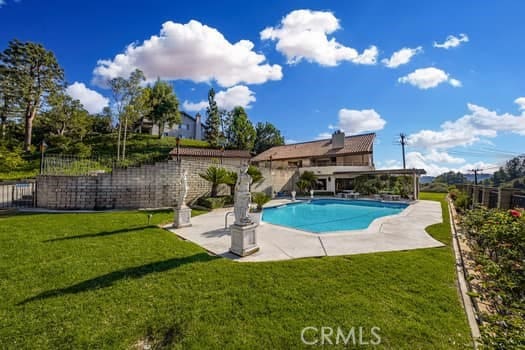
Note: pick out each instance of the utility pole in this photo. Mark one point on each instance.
(475, 171)
(403, 142)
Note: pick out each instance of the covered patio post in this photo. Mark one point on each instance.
(415, 179)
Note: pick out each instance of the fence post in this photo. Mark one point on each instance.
(475, 191)
(485, 197)
(504, 197)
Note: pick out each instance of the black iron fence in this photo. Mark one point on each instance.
(17, 194)
(493, 199)
(518, 201)
(73, 165)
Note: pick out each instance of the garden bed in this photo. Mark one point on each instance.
(493, 248)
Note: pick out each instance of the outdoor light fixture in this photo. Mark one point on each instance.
(177, 142)
(329, 179)
(43, 147)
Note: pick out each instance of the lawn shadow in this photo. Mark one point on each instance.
(115, 276)
(100, 234)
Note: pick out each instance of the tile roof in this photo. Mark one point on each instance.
(210, 152)
(353, 144)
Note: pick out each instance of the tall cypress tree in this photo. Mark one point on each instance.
(212, 126)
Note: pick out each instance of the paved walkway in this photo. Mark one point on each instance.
(394, 233)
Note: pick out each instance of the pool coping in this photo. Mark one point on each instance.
(403, 231)
(372, 227)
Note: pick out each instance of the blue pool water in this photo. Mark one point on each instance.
(328, 215)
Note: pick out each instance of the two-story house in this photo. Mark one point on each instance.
(189, 127)
(334, 161)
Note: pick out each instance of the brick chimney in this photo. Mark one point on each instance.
(198, 127)
(338, 139)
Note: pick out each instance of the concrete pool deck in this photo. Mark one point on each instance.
(403, 231)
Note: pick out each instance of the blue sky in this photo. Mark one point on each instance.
(455, 86)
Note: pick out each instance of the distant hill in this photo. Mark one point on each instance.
(470, 178)
(481, 177)
(426, 179)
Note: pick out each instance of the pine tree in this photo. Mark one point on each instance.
(241, 133)
(212, 126)
(34, 73)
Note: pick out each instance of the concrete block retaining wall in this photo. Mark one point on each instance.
(148, 186)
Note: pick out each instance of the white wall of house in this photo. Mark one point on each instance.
(189, 128)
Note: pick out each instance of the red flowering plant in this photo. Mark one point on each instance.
(517, 213)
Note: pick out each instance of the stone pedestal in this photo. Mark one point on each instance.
(182, 217)
(293, 195)
(243, 239)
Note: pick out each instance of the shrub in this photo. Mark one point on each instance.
(497, 242)
(215, 176)
(260, 198)
(212, 202)
(10, 160)
(436, 187)
(453, 194)
(462, 201)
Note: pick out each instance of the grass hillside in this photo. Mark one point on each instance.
(139, 148)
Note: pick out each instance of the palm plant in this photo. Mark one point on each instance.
(302, 185)
(215, 176)
(307, 180)
(256, 174)
(231, 180)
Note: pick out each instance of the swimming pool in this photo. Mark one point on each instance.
(328, 215)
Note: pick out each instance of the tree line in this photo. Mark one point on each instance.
(234, 130)
(34, 100)
(512, 174)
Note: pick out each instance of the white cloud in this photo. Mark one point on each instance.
(433, 168)
(238, 95)
(452, 41)
(2, 3)
(401, 57)
(291, 141)
(191, 51)
(521, 102)
(92, 101)
(443, 157)
(323, 135)
(479, 123)
(302, 34)
(354, 121)
(455, 82)
(194, 107)
(426, 78)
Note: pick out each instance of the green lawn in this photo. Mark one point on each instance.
(108, 280)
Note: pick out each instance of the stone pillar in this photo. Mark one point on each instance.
(467, 189)
(243, 233)
(475, 192)
(485, 197)
(182, 217)
(243, 239)
(416, 185)
(505, 197)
